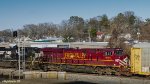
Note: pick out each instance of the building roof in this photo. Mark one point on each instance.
(142, 45)
(99, 33)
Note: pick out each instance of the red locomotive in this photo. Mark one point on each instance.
(102, 61)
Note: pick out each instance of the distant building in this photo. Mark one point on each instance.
(25, 39)
(1, 39)
(49, 44)
(50, 39)
(100, 35)
(88, 44)
(142, 45)
(3, 44)
(126, 36)
(107, 37)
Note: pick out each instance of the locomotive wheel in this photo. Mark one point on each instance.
(60, 68)
(45, 68)
(108, 71)
(90, 69)
(117, 73)
(98, 70)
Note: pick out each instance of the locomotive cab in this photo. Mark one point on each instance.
(121, 58)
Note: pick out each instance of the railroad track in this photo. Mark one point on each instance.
(121, 76)
(94, 74)
(8, 64)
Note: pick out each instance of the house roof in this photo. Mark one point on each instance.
(99, 33)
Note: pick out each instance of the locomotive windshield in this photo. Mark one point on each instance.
(119, 52)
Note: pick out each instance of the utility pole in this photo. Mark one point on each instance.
(19, 55)
(15, 34)
(89, 33)
(23, 54)
(138, 34)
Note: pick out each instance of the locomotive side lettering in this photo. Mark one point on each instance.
(76, 55)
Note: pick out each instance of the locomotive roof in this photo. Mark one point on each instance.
(49, 49)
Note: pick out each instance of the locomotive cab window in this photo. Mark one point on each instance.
(118, 52)
(108, 53)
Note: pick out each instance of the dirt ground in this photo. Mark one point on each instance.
(77, 78)
(46, 81)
